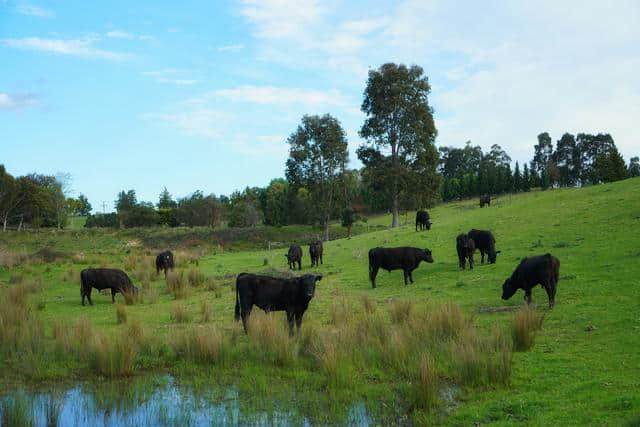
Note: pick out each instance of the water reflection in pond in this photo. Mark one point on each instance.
(149, 402)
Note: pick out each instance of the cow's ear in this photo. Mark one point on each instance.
(318, 277)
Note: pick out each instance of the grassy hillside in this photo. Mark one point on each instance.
(583, 369)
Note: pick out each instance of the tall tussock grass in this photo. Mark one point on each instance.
(368, 303)
(195, 277)
(269, 339)
(121, 314)
(180, 313)
(426, 384)
(400, 310)
(20, 329)
(176, 285)
(204, 344)
(526, 322)
(114, 356)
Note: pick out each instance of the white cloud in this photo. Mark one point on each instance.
(283, 96)
(17, 101)
(171, 75)
(282, 18)
(203, 122)
(33, 10)
(73, 47)
(231, 48)
(119, 34)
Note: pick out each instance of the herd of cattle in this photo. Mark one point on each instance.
(294, 294)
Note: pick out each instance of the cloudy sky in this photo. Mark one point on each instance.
(203, 94)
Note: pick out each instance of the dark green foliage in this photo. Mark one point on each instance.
(102, 220)
(197, 210)
(318, 156)
(400, 120)
(634, 167)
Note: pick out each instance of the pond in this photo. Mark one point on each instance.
(150, 402)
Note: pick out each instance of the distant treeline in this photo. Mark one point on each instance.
(403, 170)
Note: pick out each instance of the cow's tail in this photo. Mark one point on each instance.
(237, 314)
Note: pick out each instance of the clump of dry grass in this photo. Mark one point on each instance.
(400, 310)
(133, 297)
(176, 284)
(447, 321)
(180, 313)
(20, 329)
(481, 359)
(269, 339)
(341, 312)
(526, 322)
(206, 344)
(426, 384)
(206, 312)
(195, 277)
(151, 295)
(121, 314)
(214, 286)
(368, 303)
(113, 356)
(15, 278)
(330, 351)
(78, 258)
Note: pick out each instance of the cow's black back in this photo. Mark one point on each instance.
(486, 243)
(465, 246)
(315, 253)
(294, 256)
(485, 200)
(422, 220)
(541, 270)
(104, 278)
(403, 258)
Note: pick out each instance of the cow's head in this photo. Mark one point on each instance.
(493, 254)
(308, 284)
(427, 256)
(508, 290)
(428, 225)
(289, 257)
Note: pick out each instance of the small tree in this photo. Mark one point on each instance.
(634, 167)
(165, 201)
(317, 157)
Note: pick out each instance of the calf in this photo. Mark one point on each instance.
(274, 294)
(422, 220)
(294, 255)
(315, 252)
(484, 241)
(465, 247)
(542, 269)
(404, 258)
(164, 261)
(105, 278)
(485, 200)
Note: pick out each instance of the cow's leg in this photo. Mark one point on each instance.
(471, 262)
(373, 272)
(321, 261)
(245, 313)
(411, 275)
(299, 320)
(83, 294)
(113, 295)
(527, 296)
(406, 276)
(299, 264)
(550, 287)
(88, 293)
(290, 317)
(481, 256)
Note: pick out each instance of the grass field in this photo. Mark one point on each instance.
(584, 367)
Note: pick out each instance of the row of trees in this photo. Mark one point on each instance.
(37, 200)
(402, 170)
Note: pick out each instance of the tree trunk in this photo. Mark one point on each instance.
(4, 225)
(20, 225)
(326, 229)
(394, 212)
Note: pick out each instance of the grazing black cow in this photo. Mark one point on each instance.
(422, 220)
(542, 269)
(294, 255)
(405, 258)
(315, 252)
(105, 278)
(164, 261)
(465, 247)
(274, 294)
(485, 200)
(484, 241)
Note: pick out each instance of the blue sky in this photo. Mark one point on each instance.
(203, 94)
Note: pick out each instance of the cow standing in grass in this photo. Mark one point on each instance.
(105, 278)
(315, 252)
(164, 261)
(541, 270)
(294, 255)
(484, 241)
(274, 294)
(485, 200)
(405, 258)
(422, 220)
(465, 247)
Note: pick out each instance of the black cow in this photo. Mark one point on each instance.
(422, 220)
(484, 241)
(315, 252)
(465, 247)
(542, 269)
(105, 278)
(164, 261)
(274, 294)
(405, 258)
(485, 200)
(294, 255)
